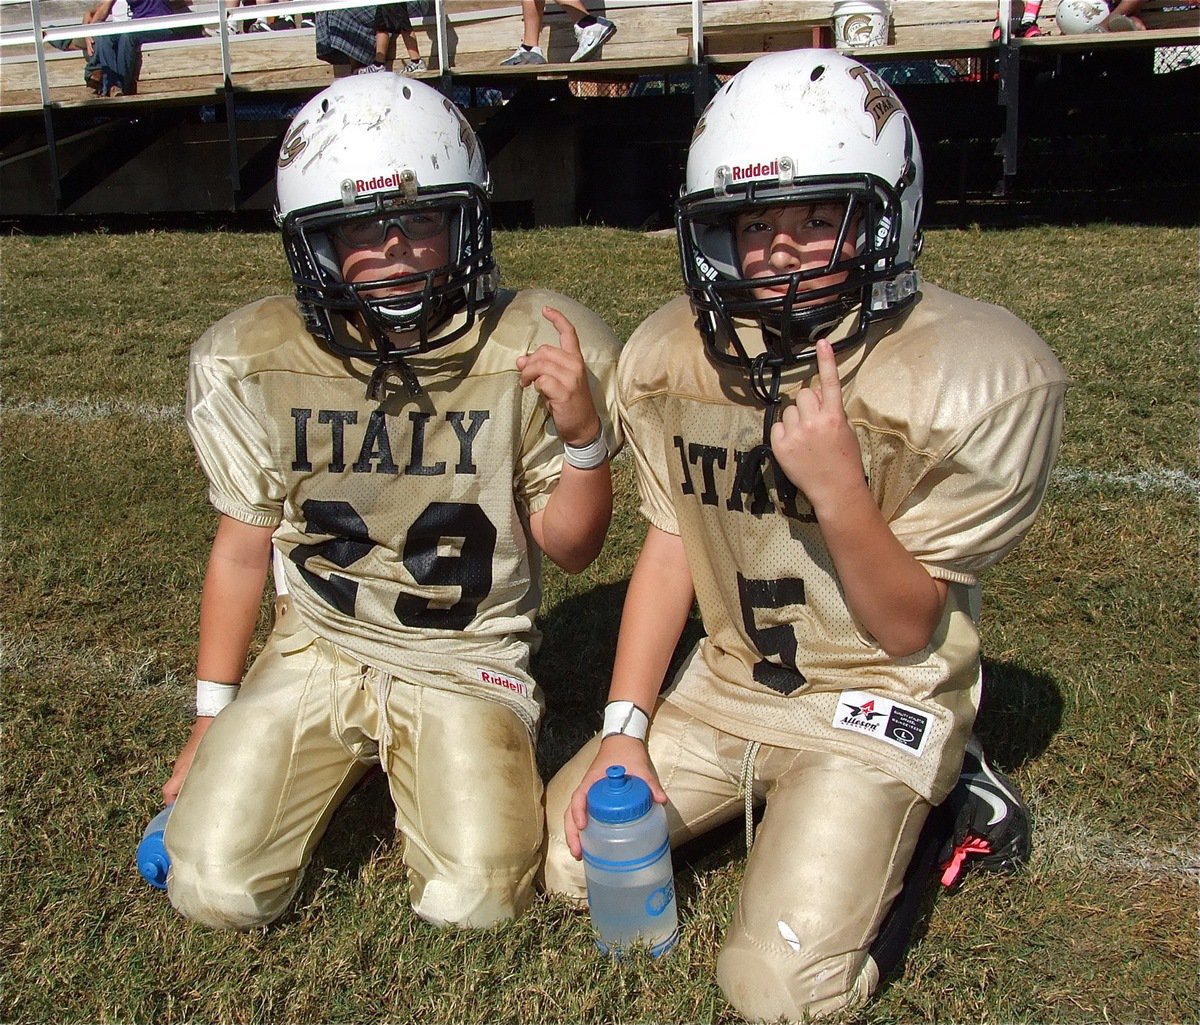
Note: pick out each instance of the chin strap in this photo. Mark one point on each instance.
(391, 364)
(764, 382)
(385, 372)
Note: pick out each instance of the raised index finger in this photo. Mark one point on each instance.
(567, 338)
(831, 384)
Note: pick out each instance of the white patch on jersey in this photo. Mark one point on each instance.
(494, 679)
(882, 719)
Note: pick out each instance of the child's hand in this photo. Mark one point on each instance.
(560, 377)
(615, 750)
(814, 442)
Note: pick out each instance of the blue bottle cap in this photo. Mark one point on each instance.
(618, 797)
(154, 864)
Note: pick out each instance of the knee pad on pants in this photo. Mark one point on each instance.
(475, 900)
(766, 981)
(221, 898)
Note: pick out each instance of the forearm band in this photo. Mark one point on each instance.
(625, 718)
(589, 456)
(211, 696)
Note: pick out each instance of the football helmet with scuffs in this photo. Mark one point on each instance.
(1075, 17)
(801, 127)
(368, 153)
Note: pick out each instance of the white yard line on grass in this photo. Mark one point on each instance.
(1140, 480)
(1062, 838)
(89, 410)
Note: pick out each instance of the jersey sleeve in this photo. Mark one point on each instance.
(541, 459)
(975, 505)
(640, 402)
(231, 443)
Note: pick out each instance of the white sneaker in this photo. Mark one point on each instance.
(523, 56)
(592, 38)
(370, 69)
(413, 65)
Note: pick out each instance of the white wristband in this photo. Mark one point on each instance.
(626, 719)
(211, 696)
(589, 456)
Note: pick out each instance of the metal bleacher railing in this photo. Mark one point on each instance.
(700, 39)
(217, 16)
(27, 42)
(684, 41)
(465, 34)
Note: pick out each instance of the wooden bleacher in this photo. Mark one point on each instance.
(203, 130)
(653, 36)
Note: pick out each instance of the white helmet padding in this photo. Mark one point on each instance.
(378, 143)
(796, 128)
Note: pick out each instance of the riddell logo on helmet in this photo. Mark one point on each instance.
(756, 170)
(389, 181)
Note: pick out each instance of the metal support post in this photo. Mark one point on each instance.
(231, 133)
(52, 155)
(445, 86)
(700, 86)
(47, 109)
(235, 164)
(1010, 99)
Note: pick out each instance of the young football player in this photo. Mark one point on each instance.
(408, 439)
(829, 452)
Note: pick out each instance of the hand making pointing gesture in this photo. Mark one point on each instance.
(813, 440)
(560, 377)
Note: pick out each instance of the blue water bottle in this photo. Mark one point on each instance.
(152, 860)
(627, 863)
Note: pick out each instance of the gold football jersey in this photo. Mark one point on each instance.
(403, 523)
(957, 406)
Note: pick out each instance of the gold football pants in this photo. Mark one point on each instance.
(307, 724)
(828, 859)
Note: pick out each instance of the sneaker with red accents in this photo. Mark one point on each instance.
(1025, 30)
(992, 828)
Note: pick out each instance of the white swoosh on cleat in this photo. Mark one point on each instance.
(999, 808)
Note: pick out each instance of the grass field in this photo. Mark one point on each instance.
(1089, 631)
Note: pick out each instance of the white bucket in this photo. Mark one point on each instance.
(859, 24)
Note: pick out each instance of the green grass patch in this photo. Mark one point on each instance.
(1089, 631)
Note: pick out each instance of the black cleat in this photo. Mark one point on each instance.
(984, 822)
(991, 823)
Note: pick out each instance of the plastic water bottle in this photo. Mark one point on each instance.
(152, 860)
(627, 863)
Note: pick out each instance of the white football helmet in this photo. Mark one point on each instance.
(367, 153)
(800, 127)
(1075, 17)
